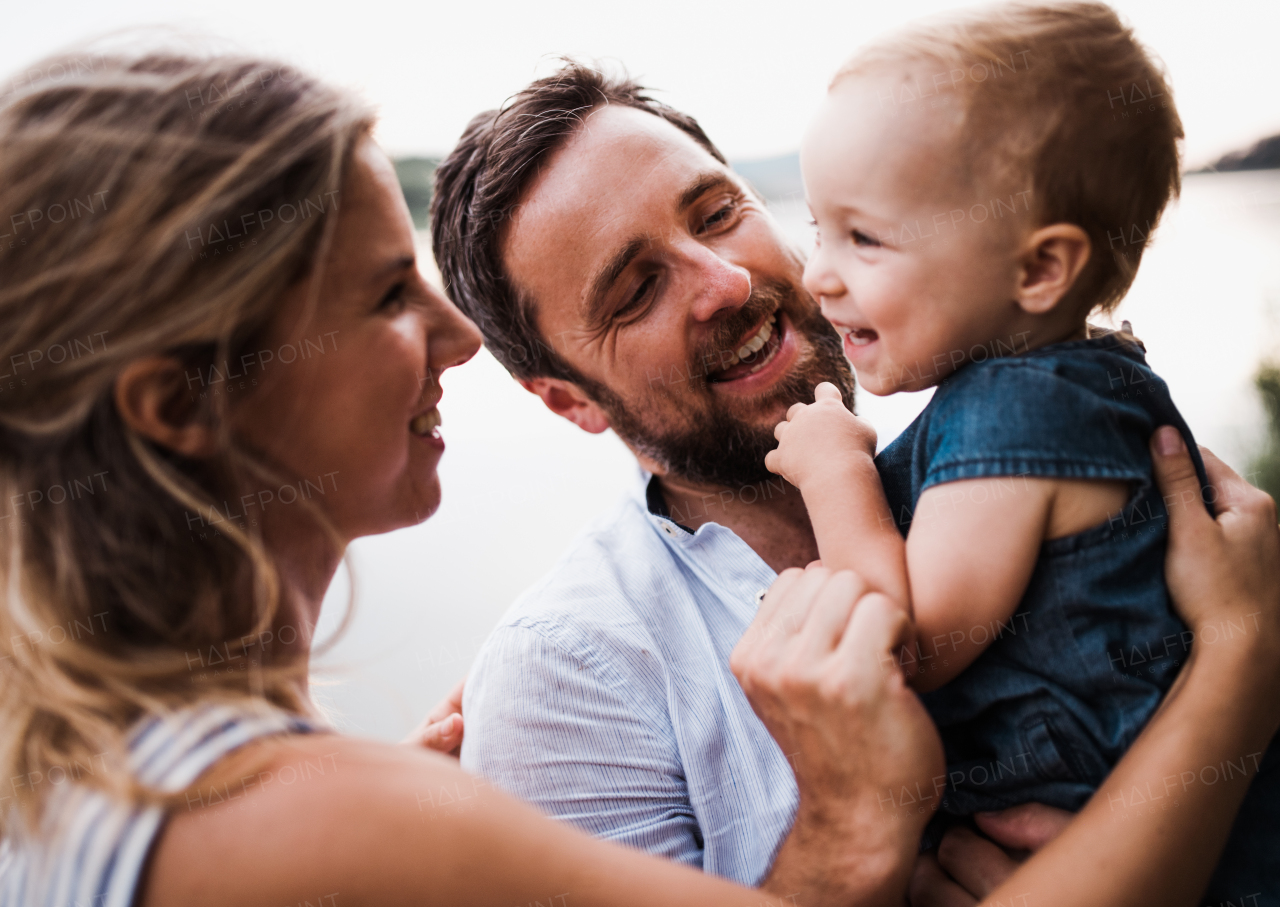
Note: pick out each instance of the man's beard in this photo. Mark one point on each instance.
(720, 447)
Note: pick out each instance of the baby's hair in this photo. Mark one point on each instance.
(1057, 98)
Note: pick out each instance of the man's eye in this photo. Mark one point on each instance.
(720, 216)
(862, 239)
(639, 296)
(394, 299)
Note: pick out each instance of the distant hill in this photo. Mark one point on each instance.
(1265, 155)
(417, 176)
(776, 178)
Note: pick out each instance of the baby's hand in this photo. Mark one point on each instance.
(819, 438)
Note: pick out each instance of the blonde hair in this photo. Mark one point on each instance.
(1060, 99)
(124, 179)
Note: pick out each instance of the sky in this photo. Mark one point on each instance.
(752, 72)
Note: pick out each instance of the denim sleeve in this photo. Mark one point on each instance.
(561, 734)
(1019, 418)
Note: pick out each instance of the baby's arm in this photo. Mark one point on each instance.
(829, 454)
(970, 553)
(972, 546)
(971, 550)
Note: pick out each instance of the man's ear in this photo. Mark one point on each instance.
(1053, 259)
(564, 398)
(153, 399)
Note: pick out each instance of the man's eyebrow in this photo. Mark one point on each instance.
(702, 183)
(604, 279)
(609, 273)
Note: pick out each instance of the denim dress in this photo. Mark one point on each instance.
(1068, 681)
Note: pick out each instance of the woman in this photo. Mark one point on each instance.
(262, 391)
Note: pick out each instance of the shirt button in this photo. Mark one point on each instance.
(669, 529)
(760, 593)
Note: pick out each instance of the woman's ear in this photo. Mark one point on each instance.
(564, 398)
(1053, 259)
(153, 399)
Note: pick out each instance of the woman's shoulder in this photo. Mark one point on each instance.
(308, 815)
(169, 751)
(89, 842)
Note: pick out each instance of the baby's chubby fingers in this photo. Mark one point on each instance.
(827, 391)
(779, 429)
(795, 410)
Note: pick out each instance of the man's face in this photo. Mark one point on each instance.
(660, 279)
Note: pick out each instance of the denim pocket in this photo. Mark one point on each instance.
(1039, 741)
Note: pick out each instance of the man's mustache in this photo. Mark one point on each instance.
(766, 297)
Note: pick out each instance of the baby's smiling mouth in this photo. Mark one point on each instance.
(858, 336)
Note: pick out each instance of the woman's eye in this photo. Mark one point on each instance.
(394, 299)
(862, 239)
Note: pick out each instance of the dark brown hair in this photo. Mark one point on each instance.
(478, 190)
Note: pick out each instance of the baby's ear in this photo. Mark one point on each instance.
(1052, 260)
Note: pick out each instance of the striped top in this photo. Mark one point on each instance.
(92, 847)
(604, 696)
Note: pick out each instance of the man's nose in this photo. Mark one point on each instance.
(721, 284)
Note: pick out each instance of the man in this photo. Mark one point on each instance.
(621, 271)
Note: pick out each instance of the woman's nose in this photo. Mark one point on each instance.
(452, 337)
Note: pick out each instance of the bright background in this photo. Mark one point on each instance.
(752, 72)
(519, 483)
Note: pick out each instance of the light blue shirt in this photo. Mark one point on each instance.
(604, 696)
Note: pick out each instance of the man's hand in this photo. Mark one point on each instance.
(818, 666)
(441, 730)
(817, 437)
(968, 867)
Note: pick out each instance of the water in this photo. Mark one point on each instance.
(520, 482)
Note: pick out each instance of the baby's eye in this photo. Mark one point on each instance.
(862, 239)
(817, 235)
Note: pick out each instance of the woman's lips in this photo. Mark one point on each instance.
(427, 426)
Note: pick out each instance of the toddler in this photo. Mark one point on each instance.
(980, 186)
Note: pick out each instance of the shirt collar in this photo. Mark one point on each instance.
(657, 504)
